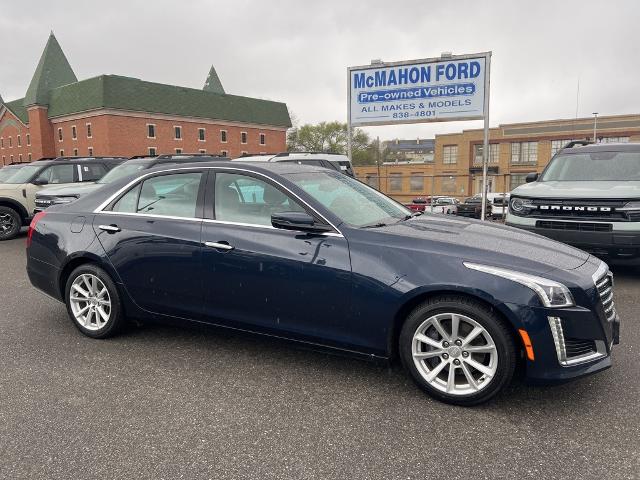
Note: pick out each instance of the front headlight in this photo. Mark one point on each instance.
(551, 293)
(519, 205)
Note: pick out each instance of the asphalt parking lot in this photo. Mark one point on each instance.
(165, 403)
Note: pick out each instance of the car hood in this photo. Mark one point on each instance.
(77, 190)
(483, 242)
(588, 190)
(10, 186)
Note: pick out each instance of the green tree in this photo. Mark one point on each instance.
(331, 137)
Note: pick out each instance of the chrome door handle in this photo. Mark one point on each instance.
(110, 228)
(221, 246)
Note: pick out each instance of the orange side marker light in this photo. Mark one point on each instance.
(527, 344)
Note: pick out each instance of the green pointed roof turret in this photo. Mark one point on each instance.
(213, 83)
(53, 71)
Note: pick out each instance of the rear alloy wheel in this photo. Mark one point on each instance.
(457, 350)
(10, 223)
(93, 302)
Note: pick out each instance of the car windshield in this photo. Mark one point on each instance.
(351, 201)
(122, 171)
(473, 200)
(9, 171)
(601, 166)
(23, 175)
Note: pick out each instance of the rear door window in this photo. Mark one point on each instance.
(91, 172)
(173, 195)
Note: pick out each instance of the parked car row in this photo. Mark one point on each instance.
(496, 205)
(23, 192)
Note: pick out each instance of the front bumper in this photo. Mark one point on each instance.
(613, 244)
(579, 326)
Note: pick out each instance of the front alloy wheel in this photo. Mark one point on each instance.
(454, 354)
(457, 350)
(10, 223)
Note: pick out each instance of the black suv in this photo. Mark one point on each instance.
(69, 193)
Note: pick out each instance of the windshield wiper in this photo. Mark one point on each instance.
(374, 225)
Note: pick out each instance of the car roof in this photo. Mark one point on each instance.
(280, 168)
(602, 147)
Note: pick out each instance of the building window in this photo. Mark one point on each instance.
(10, 142)
(28, 156)
(3, 159)
(223, 136)
(1, 142)
(517, 179)
(89, 134)
(224, 153)
(450, 154)
(151, 130)
(395, 182)
(372, 181)
(449, 185)
(416, 182)
(201, 134)
(75, 152)
(19, 141)
(90, 150)
(263, 139)
(62, 153)
(494, 153)
(11, 158)
(202, 150)
(614, 140)
(28, 140)
(178, 151)
(177, 132)
(152, 151)
(243, 137)
(557, 145)
(74, 133)
(525, 152)
(244, 153)
(20, 158)
(59, 134)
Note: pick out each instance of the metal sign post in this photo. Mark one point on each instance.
(485, 145)
(443, 89)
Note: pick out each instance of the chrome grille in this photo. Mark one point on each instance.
(605, 291)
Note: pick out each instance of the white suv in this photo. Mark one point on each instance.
(334, 161)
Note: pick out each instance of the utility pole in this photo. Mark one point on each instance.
(595, 126)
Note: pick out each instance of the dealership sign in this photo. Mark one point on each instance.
(443, 89)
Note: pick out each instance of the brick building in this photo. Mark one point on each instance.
(514, 151)
(115, 115)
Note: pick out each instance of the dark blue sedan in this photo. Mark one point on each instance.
(317, 257)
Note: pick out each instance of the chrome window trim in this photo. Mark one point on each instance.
(111, 198)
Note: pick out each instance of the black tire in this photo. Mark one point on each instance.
(116, 315)
(10, 223)
(487, 319)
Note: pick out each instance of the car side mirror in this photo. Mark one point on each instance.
(531, 177)
(40, 181)
(298, 221)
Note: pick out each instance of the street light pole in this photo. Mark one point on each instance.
(595, 126)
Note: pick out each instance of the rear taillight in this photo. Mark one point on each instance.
(32, 226)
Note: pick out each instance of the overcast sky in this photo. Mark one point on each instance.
(298, 51)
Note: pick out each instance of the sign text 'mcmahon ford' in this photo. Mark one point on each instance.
(417, 74)
(417, 91)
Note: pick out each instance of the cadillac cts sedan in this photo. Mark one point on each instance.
(317, 257)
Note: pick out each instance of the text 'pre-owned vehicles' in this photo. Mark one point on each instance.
(69, 193)
(17, 191)
(315, 256)
(587, 196)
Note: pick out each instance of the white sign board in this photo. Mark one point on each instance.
(432, 90)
